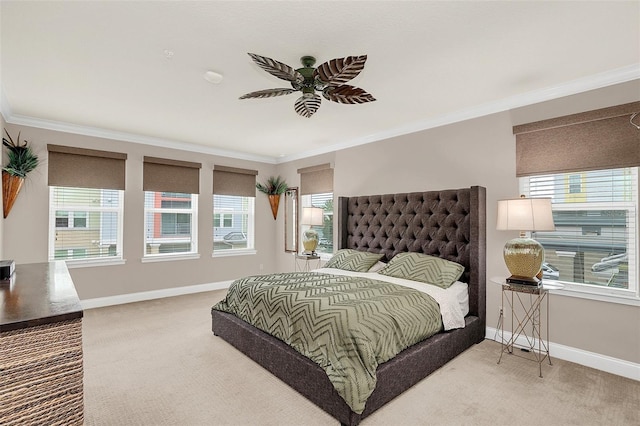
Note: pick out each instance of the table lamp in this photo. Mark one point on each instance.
(312, 216)
(524, 256)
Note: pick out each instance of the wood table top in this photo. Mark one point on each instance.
(38, 293)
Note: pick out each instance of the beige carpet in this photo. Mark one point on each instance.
(157, 363)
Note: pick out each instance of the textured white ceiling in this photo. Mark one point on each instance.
(96, 66)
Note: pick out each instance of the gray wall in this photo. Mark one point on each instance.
(25, 236)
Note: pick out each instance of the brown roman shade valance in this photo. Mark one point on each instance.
(593, 140)
(234, 181)
(85, 168)
(164, 175)
(316, 179)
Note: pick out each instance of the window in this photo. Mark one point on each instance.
(223, 220)
(595, 245)
(234, 193)
(170, 223)
(85, 223)
(72, 219)
(325, 231)
(575, 184)
(171, 189)
(233, 222)
(316, 190)
(86, 193)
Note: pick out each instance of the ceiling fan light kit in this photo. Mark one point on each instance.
(328, 78)
(213, 77)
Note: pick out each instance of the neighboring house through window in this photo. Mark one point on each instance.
(170, 220)
(71, 219)
(222, 220)
(596, 239)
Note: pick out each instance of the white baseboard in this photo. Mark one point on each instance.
(589, 359)
(120, 299)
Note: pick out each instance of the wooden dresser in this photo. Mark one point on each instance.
(40, 347)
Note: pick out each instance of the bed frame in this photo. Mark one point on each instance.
(450, 224)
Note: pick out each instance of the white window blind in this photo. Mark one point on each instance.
(595, 244)
(170, 223)
(233, 223)
(85, 223)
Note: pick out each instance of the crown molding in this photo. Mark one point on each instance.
(596, 81)
(127, 137)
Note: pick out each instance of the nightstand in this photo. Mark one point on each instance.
(524, 303)
(307, 262)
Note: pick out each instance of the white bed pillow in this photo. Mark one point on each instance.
(377, 266)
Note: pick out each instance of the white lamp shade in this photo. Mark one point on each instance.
(313, 216)
(525, 214)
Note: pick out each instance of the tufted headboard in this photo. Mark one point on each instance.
(450, 224)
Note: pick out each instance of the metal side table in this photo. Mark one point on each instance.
(526, 303)
(307, 262)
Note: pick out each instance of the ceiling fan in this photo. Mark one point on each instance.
(328, 78)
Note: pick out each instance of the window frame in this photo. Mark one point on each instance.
(71, 219)
(630, 296)
(118, 259)
(222, 218)
(193, 236)
(251, 226)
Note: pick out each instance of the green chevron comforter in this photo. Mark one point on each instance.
(347, 325)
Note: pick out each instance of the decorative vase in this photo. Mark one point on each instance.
(274, 200)
(310, 241)
(10, 188)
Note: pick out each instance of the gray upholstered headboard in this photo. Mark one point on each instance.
(450, 224)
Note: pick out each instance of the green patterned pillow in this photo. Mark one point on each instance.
(353, 260)
(423, 268)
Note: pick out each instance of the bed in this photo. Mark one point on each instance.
(449, 224)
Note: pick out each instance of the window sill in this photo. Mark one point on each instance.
(604, 294)
(90, 263)
(228, 253)
(169, 257)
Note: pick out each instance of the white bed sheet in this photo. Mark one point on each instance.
(453, 301)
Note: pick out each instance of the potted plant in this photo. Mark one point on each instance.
(22, 160)
(274, 188)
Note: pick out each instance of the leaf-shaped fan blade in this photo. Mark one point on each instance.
(346, 94)
(277, 69)
(340, 70)
(268, 93)
(307, 106)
